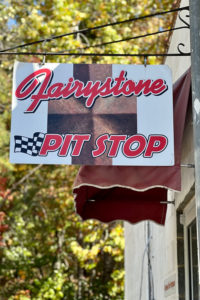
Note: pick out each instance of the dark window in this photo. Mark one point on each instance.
(193, 261)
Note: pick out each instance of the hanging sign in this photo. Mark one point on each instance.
(92, 114)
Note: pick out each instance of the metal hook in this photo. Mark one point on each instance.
(186, 16)
(168, 202)
(145, 61)
(43, 60)
(44, 57)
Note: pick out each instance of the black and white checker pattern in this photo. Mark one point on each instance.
(30, 146)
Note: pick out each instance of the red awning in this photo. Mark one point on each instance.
(109, 193)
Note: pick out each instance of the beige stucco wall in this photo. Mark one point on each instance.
(163, 243)
(178, 66)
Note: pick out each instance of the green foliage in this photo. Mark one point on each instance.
(48, 251)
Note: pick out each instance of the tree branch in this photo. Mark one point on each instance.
(15, 185)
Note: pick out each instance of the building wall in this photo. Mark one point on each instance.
(136, 271)
(163, 239)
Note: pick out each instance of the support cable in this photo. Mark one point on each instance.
(95, 28)
(128, 39)
(96, 54)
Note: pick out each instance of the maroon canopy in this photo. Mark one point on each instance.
(109, 193)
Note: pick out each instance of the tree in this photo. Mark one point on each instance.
(48, 252)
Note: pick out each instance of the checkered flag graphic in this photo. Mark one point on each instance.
(30, 146)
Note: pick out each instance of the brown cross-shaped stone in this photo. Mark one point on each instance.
(111, 115)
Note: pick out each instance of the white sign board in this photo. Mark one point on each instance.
(92, 114)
